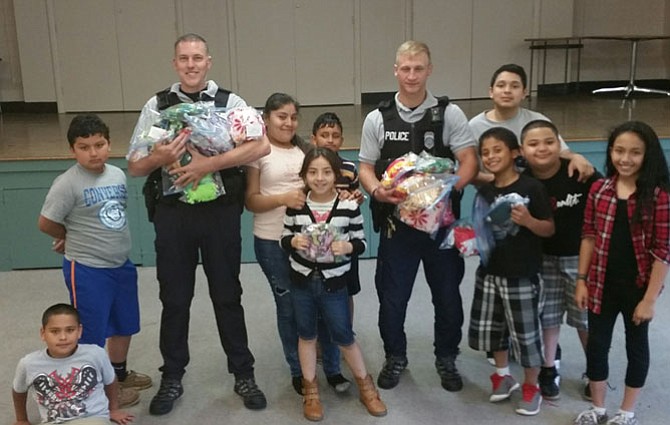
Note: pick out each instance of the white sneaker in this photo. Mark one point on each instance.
(591, 417)
(622, 419)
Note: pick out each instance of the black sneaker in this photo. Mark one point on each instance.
(338, 382)
(389, 376)
(446, 368)
(547, 381)
(296, 381)
(253, 397)
(163, 402)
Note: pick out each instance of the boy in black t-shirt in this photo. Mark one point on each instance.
(508, 288)
(540, 146)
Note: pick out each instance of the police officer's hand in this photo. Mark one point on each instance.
(294, 199)
(166, 153)
(194, 171)
(390, 196)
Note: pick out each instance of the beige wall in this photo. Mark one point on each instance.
(10, 70)
(324, 51)
(609, 60)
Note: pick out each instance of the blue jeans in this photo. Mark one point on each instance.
(397, 264)
(275, 265)
(311, 301)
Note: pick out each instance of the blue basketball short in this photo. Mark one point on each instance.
(106, 299)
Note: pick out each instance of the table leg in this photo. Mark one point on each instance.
(631, 88)
(530, 74)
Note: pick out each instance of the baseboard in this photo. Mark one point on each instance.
(29, 107)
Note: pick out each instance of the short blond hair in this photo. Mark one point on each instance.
(412, 48)
(191, 37)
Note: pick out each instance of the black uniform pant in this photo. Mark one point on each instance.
(184, 233)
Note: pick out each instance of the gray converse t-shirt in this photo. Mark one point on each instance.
(92, 207)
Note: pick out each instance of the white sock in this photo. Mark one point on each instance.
(627, 413)
(599, 410)
(502, 371)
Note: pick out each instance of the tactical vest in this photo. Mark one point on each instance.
(401, 137)
(234, 179)
(166, 98)
(425, 134)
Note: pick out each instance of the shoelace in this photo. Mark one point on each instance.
(590, 415)
(247, 387)
(447, 367)
(168, 391)
(392, 368)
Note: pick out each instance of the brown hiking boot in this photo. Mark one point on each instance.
(370, 396)
(311, 404)
(136, 380)
(128, 397)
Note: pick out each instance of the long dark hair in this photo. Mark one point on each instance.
(654, 170)
(277, 101)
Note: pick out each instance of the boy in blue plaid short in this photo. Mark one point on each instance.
(540, 145)
(506, 303)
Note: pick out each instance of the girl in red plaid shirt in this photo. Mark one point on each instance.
(623, 261)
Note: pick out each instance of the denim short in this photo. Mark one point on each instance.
(310, 299)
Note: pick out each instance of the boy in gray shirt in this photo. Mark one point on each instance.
(85, 212)
(70, 382)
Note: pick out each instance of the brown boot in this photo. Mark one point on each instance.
(311, 405)
(370, 396)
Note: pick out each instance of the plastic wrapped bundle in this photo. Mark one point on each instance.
(426, 206)
(245, 124)
(462, 236)
(321, 236)
(499, 215)
(209, 133)
(399, 169)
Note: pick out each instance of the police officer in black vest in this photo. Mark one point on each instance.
(414, 121)
(185, 232)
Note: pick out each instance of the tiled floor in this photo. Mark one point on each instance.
(579, 117)
(419, 399)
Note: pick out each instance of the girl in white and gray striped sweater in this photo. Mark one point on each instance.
(319, 275)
